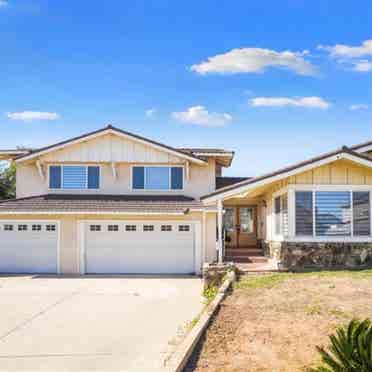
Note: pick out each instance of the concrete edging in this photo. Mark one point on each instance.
(177, 362)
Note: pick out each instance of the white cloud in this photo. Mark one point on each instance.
(362, 66)
(358, 106)
(343, 50)
(3, 3)
(150, 113)
(255, 60)
(346, 54)
(199, 115)
(32, 115)
(308, 102)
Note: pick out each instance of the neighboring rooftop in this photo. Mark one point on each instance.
(228, 181)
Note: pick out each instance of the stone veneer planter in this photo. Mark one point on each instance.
(315, 255)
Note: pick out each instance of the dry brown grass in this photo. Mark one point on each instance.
(273, 323)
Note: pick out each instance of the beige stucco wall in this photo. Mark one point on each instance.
(210, 239)
(200, 182)
(69, 248)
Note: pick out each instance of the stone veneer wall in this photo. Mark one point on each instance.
(315, 255)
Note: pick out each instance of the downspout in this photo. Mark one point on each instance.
(220, 232)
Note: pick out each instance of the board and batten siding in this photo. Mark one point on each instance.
(110, 148)
(340, 172)
(124, 153)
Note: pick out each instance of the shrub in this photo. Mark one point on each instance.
(350, 349)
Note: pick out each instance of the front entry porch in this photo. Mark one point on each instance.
(241, 233)
(241, 242)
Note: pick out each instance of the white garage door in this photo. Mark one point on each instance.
(28, 247)
(143, 248)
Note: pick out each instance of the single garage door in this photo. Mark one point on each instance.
(28, 247)
(139, 248)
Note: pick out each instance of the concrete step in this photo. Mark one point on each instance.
(252, 259)
(244, 252)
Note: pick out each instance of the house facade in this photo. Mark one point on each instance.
(111, 202)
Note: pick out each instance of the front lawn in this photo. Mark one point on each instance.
(273, 322)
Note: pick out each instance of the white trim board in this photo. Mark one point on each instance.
(2, 213)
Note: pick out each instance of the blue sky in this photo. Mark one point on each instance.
(277, 82)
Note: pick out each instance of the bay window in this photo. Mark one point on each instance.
(332, 213)
(160, 178)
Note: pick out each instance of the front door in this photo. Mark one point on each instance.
(240, 227)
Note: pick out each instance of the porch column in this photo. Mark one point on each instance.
(220, 234)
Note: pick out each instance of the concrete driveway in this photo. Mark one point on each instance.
(93, 323)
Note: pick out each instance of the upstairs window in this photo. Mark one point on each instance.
(157, 178)
(74, 177)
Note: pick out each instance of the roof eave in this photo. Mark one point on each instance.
(244, 186)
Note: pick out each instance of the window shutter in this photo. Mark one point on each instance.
(55, 177)
(304, 213)
(277, 215)
(74, 177)
(93, 177)
(285, 215)
(361, 213)
(138, 178)
(333, 213)
(177, 178)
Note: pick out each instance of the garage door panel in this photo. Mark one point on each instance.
(152, 252)
(28, 251)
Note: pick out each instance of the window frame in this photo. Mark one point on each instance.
(292, 189)
(280, 236)
(160, 166)
(86, 165)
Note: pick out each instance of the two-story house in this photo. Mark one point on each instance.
(114, 202)
(110, 202)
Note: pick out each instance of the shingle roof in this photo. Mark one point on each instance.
(206, 150)
(228, 181)
(72, 203)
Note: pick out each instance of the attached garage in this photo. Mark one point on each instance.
(29, 246)
(146, 247)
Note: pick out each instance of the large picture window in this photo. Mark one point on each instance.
(334, 213)
(157, 178)
(73, 177)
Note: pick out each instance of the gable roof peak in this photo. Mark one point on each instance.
(110, 127)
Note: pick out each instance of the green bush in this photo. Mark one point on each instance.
(350, 349)
(210, 293)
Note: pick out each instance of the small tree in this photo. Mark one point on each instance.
(350, 349)
(7, 181)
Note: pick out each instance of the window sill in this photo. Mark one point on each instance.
(330, 239)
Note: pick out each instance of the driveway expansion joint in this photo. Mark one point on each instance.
(37, 315)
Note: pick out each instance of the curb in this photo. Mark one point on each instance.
(180, 357)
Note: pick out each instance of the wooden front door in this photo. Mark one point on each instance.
(240, 226)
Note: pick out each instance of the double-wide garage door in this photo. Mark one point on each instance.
(139, 247)
(28, 247)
